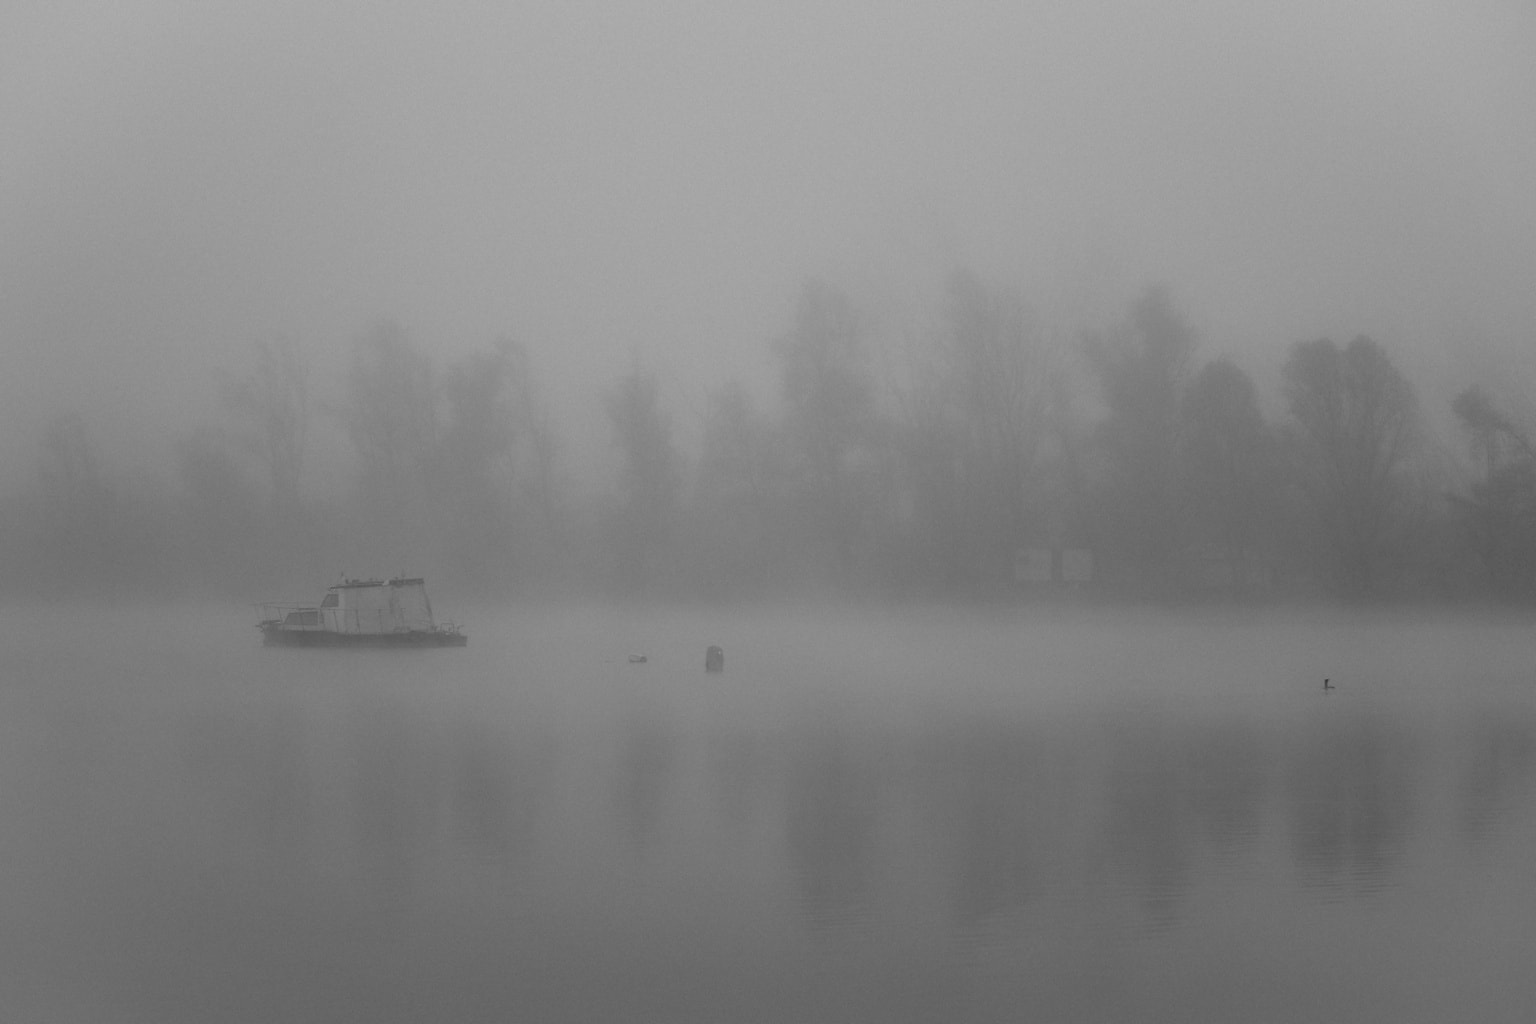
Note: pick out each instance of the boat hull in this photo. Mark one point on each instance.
(277, 636)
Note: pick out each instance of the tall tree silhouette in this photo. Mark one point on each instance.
(472, 474)
(222, 527)
(271, 404)
(738, 497)
(1230, 464)
(1142, 370)
(87, 528)
(1499, 509)
(829, 421)
(1354, 428)
(973, 431)
(391, 419)
(649, 478)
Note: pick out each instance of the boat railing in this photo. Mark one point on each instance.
(291, 616)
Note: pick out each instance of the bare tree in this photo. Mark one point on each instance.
(829, 422)
(272, 401)
(391, 419)
(1499, 509)
(390, 415)
(1354, 427)
(971, 433)
(89, 529)
(77, 506)
(1230, 460)
(223, 534)
(537, 495)
(1143, 370)
(649, 477)
(998, 370)
(472, 469)
(738, 498)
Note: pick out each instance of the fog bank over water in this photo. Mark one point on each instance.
(711, 302)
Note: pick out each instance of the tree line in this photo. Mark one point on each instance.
(934, 476)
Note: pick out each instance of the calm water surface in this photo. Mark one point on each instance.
(894, 816)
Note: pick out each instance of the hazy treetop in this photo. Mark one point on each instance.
(180, 178)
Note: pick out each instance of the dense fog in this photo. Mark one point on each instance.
(993, 462)
(1184, 302)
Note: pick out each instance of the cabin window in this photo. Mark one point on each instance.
(331, 601)
(310, 617)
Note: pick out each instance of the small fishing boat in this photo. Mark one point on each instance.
(361, 613)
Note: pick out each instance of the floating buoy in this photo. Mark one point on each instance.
(637, 659)
(1327, 685)
(714, 660)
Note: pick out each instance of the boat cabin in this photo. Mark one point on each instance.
(363, 607)
(390, 613)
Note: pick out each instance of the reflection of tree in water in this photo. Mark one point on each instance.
(1498, 773)
(254, 765)
(740, 764)
(1229, 766)
(395, 798)
(983, 780)
(285, 796)
(1147, 831)
(647, 757)
(831, 825)
(1352, 797)
(499, 784)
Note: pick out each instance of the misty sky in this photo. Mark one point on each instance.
(179, 179)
